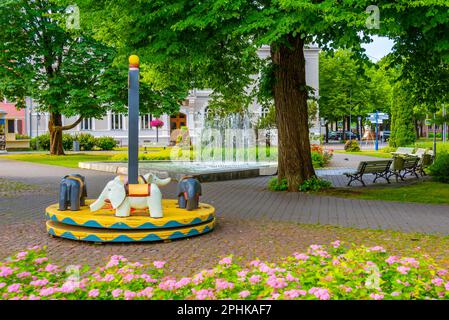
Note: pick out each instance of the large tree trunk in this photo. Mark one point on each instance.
(290, 97)
(55, 127)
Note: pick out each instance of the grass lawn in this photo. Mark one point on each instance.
(421, 192)
(376, 154)
(69, 160)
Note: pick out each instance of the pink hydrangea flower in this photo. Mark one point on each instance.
(291, 278)
(40, 260)
(94, 293)
(22, 255)
(203, 294)
(403, 269)
(69, 286)
(242, 274)
(410, 261)
(148, 278)
(23, 274)
(276, 283)
(437, 281)
(336, 244)
(255, 279)
(129, 295)
(377, 249)
(376, 296)
(244, 294)
(14, 287)
(51, 268)
(320, 293)
(255, 263)
(168, 285)
(292, 294)
(39, 283)
(301, 256)
(183, 282)
(226, 261)
(108, 278)
(395, 294)
(159, 264)
(5, 271)
(222, 284)
(47, 292)
(116, 293)
(2, 285)
(147, 292)
(392, 259)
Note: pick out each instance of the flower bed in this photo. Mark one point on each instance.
(320, 156)
(323, 272)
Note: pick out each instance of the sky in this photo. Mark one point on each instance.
(379, 48)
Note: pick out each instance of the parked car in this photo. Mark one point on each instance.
(338, 135)
(385, 136)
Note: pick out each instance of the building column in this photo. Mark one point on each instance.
(109, 120)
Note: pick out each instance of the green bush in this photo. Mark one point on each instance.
(314, 184)
(439, 170)
(388, 149)
(22, 137)
(67, 142)
(352, 146)
(105, 143)
(43, 141)
(86, 140)
(439, 135)
(277, 185)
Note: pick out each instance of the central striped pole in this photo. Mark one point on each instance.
(133, 120)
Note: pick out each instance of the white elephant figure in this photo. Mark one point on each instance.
(116, 192)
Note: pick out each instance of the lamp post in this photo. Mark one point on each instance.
(133, 119)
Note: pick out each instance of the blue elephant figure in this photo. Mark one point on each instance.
(72, 192)
(189, 192)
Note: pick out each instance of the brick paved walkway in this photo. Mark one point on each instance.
(253, 219)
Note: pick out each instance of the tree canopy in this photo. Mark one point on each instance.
(64, 69)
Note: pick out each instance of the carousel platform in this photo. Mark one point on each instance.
(104, 226)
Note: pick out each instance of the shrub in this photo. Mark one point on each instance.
(439, 135)
(333, 272)
(388, 149)
(439, 170)
(86, 140)
(22, 137)
(314, 184)
(274, 184)
(67, 141)
(43, 140)
(320, 156)
(105, 143)
(352, 146)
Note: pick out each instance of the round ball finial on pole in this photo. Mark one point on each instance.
(134, 61)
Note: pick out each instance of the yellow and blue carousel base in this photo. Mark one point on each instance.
(104, 226)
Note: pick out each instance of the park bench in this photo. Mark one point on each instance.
(402, 151)
(410, 165)
(380, 169)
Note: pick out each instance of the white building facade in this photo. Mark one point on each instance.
(190, 113)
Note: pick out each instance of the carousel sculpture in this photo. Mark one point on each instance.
(130, 208)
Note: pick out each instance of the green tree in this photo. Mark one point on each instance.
(402, 118)
(213, 44)
(64, 69)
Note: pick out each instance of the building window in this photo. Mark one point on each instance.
(11, 126)
(86, 124)
(265, 112)
(116, 121)
(145, 121)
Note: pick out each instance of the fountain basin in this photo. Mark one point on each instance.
(202, 170)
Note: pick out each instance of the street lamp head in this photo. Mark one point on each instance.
(134, 61)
